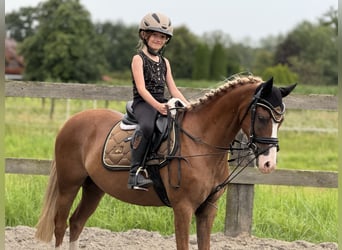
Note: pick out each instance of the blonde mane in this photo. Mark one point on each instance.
(228, 84)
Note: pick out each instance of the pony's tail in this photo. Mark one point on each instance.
(46, 223)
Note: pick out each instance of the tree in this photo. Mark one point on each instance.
(21, 24)
(201, 64)
(232, 62)
(64, 47)
(180, 51)
(310, 50)
(241, 57)
(262, 60)
(218, 63)
(330, 18)
(119, 43)
(264, 54)
(217, 36)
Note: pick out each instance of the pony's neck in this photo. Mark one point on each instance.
(218, 121)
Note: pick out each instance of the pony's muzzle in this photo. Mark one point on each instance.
(267, 161)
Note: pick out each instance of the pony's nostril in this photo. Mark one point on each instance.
(267, 164)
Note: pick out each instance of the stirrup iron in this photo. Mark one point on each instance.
(142, 174)
(136, 187)
(142, 169)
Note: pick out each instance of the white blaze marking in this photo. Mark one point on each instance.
(274, 129)
(267, 163)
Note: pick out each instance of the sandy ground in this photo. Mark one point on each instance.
(22, 237)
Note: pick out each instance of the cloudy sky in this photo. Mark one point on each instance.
(255, 19)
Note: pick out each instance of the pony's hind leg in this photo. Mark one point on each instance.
(91, 196)
(69, 183)
(63, 206)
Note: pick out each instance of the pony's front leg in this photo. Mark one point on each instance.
(182, 219)
(205, 216)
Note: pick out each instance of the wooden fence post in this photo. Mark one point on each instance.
(240, 198)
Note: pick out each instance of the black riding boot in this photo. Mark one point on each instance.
(138, 177)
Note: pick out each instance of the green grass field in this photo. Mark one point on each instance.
(287, 213)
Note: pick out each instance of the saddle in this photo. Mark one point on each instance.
(161, 131)
(116, 153)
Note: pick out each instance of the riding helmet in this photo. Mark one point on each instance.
(156, 22)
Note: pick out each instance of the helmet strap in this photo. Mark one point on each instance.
(152, 52)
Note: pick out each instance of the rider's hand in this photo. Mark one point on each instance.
(162, 108)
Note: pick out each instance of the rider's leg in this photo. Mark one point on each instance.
(139, 147)
(146, 116)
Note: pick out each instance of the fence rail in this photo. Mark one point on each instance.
(240, 195)
(124, 93)
(249, 175)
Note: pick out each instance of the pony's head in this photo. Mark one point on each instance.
(266, 111)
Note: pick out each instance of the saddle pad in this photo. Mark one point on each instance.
(117, 152)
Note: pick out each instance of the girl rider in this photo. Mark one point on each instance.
(150, 72)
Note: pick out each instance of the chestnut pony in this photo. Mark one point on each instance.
(208, 127)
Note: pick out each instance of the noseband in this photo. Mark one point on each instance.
(277, 117)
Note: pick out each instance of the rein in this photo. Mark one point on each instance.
(250, 145)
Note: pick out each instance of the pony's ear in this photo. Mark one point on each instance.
(285, 91)
(267, 88)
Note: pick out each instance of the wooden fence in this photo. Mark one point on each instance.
(240, 194)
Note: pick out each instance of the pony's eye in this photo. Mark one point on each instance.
(262, 118)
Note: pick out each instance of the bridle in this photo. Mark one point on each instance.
(276, 115)
(257, 101)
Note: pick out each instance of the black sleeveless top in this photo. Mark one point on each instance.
(155, 78)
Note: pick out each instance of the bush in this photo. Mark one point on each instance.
(281, 73)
